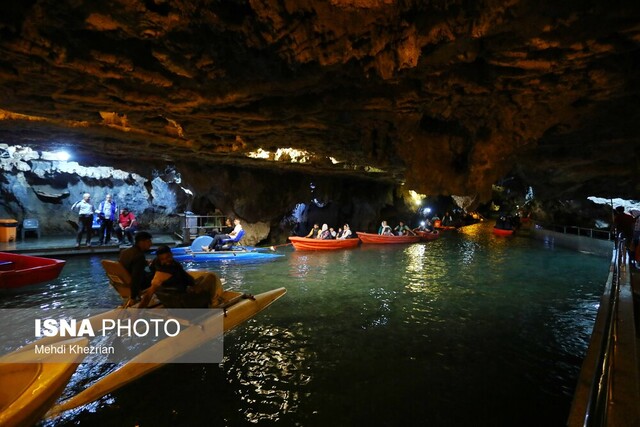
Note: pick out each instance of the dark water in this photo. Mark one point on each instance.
(468, 330)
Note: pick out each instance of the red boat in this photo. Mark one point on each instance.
(427, 235)
(22, 270)
(380, 238)
(307, 244)
(502, 232)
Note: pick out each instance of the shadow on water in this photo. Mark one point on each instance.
(469, 329)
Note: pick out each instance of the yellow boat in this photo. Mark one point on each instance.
(31, 386)
(171, 348)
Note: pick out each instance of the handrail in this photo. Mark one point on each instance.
(595, 390)
(592, 233)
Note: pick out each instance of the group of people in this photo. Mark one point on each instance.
(401, 229)
(108, 216)
(628, 226)
(166, 276)
(326, 232)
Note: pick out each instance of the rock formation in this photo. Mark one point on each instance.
(447, 96)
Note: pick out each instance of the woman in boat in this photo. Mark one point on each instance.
(345, 232)
(324, 234)
(385, 229)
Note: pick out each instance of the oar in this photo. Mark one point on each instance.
(273, 248)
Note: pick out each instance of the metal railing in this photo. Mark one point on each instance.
(604, 377)
(197, 225)
(593, 233)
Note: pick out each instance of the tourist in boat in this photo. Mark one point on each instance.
(403, 229)
(333, 233)
(228, 228)
(85, 218)
(344, 233)
(324, 234)
(315, 231)
(504, 223)
(134, 261)
(179, 283)
(447, 219)
(216, 244)
(108, 213)
(127, 226)
(385, 229)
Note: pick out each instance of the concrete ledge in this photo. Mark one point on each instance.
(598, 247)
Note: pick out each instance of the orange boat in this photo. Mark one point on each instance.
(502, 232)
(428, 235)
(307, 244)
(378, 238)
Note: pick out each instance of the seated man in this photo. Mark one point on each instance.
(171, 276)
(402, 229)
(127, 225)
(134, 261)
(218, 239)
(315, 231)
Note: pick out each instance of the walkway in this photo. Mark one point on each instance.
(65, 245)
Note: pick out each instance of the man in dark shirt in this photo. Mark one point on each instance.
(183, 290)
(134, 261)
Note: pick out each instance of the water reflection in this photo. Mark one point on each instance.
(378, 335)
(270, 360)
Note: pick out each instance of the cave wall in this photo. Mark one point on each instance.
(34, 185)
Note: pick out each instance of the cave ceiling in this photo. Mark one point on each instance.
(447, 96)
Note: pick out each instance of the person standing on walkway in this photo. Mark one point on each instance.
(108, 213)
(85, 218)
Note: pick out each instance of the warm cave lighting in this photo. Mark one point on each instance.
(416, 198)
(291, 154)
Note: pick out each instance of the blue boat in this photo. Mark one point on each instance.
(194, 253)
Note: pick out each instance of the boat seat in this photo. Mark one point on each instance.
(7, 266)
(228, 243)
(30, 224)
(119, 277)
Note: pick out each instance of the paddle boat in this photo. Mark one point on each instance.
(18, 270)
(385, 239)
(235, 309)
(32, 383)
(195, 253)
(427, 235)
(308, 244)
